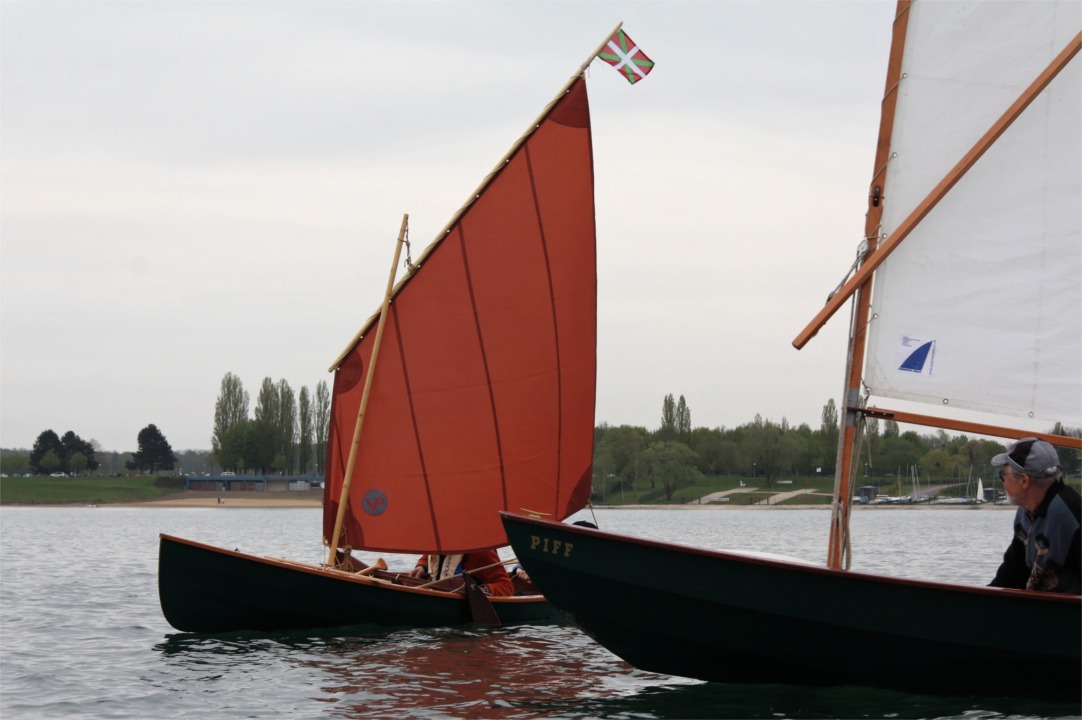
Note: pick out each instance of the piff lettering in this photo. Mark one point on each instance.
(556, 547)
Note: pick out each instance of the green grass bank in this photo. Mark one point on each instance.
(85, 490)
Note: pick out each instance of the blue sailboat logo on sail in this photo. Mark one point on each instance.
(919, 360)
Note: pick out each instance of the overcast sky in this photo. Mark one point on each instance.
(196, 188)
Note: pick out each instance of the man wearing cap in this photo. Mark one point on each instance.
(1044, 554)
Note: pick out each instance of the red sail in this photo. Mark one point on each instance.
(483, 395)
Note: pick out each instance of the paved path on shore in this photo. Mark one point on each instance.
(769, 500)
(783, 496)
(724, 493)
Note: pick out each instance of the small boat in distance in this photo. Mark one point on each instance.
(471, 391)
(977, 170)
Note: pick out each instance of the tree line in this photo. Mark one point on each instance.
(71, 455)
(678, 455)
(286, 433)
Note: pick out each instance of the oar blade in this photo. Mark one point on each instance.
(481, 609)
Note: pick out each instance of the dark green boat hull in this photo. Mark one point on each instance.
(204, 589)
(726, 617)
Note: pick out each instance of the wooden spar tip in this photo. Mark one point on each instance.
(589, 60)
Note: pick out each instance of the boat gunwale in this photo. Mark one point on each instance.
(797, 565)
(324, 571)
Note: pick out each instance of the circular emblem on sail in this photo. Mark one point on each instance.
(374, 502)
(350, 373)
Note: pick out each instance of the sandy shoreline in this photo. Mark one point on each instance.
(233, 499)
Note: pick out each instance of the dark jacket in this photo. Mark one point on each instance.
(1045, 554)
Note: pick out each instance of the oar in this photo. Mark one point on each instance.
(379, 564)
(481, 610)
(467, 572)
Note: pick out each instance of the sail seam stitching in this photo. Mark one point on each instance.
(484, 363)
(555, 331)
(413, 422)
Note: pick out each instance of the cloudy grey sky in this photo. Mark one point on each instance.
(195, 188)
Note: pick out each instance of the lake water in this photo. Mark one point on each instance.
(82, 635)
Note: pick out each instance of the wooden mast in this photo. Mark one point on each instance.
(838, 550)
(347, 480)
(859, 285)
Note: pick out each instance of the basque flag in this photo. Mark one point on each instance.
(624, 55)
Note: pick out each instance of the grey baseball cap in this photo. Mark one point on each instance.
(1031, 456)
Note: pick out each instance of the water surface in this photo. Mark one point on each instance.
(82, 635)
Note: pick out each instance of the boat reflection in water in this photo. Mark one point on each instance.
(480, 673)
(523, 672)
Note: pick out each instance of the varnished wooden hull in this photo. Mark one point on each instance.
(204, 589)
(727, 617)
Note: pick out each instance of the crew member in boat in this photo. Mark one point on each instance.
(484, 566)
(1044, 554)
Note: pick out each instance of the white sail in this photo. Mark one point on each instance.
(980, 490)
(981, 306)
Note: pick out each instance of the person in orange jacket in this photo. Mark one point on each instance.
(493, 579)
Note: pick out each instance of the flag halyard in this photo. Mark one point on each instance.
(623, 54)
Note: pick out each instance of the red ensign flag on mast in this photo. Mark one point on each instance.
(624, 55)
